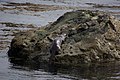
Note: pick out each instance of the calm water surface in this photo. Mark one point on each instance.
(9, 71)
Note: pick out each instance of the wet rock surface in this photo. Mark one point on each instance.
(92, 36)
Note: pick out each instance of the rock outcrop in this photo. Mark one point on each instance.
(92, 36)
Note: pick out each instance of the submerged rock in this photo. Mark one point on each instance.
(91, 36)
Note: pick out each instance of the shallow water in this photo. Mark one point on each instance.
(66, 2)
(9, 71)
(41, 20)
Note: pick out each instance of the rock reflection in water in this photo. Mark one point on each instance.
(96, 71)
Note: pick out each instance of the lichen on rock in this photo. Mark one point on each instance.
(92, 36)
